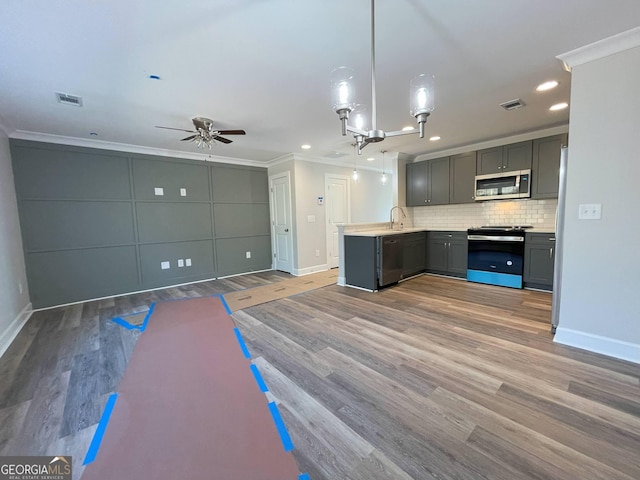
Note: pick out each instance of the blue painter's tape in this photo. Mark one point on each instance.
(304, 476)
(491, 278)
(224, 303)
(146, 318)
(243, 347)
(258, 377)
(282, 429)
(123, 323)
(102, 427)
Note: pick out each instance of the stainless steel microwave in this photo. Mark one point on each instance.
(498, 186)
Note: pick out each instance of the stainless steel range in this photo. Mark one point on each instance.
(496, 255)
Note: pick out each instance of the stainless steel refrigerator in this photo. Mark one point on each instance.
(557, 265)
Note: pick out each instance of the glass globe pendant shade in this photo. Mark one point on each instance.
(343, 94)
(421, 99)
(421, 91)
(342, 89)
(359, 117)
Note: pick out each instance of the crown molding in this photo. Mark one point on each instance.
(127, 148)
(600, 49)
(496, 142)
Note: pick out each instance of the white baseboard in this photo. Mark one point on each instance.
(14, 328)
(342, 281)
(598, 344)
(308, 270)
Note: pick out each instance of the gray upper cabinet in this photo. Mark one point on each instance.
(506, 158)
(545, 169)
(428, 182)
(233, 184)
(462, 172)
(170, 180)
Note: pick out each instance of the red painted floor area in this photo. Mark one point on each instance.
(189, 407)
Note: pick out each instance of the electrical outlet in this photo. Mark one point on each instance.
(158, 191)
(187, 262)
(180, 262)
(248, 254)
(183, 192)
(317, 253)
(590, 211)
(165, 265)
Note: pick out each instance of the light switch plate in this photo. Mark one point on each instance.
(248, 254)
(590, 211)
(187, 262)
(180, 262)
(165, 265)
(311, 218)
(159, 191)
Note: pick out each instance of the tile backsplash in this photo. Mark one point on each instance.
(539, 213)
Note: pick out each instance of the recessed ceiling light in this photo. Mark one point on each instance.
(546, 86)
(559, 106)
(370, 159)
(306, 146)
(435, 138)
(408, 128)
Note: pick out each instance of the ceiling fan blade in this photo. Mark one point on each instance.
(179, 129)
(222, 139)
(232, 132)
(188, 138)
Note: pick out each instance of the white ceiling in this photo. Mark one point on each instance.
(264, 66)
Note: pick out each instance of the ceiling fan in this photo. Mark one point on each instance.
(205, 133)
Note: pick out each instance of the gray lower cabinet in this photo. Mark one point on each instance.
(545, 168)
(447, 253)
(362, 260)
(413, 254)
(539, 257)
(428, 182)
(505, 158)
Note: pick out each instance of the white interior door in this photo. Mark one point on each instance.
(281, 231)
(337, 207)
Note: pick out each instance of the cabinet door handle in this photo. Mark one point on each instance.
(551, 252)
(552, 239)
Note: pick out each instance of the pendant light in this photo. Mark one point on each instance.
(383, 177)
(421, 102)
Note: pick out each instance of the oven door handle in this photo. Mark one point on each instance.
(495, 238)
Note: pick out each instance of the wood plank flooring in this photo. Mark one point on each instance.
(432, 378)
(439, 378)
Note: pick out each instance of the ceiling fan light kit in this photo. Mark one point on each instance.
(344, 103)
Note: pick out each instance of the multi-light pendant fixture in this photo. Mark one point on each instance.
(344, 103)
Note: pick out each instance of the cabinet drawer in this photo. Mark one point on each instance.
(540, 238)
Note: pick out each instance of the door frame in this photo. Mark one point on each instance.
(327, 223)
(272, 216)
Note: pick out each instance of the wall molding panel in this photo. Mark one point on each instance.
(99, 223)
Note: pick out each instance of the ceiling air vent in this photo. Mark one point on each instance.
(512, 104)
(69, 99)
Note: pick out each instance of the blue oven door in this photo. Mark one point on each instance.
(496, 260)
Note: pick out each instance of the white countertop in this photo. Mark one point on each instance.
(381, 232)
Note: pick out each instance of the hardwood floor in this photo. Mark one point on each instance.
(432, 378)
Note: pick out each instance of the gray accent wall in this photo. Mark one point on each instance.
(97, 223)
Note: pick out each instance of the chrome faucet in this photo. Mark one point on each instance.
(391, 216)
